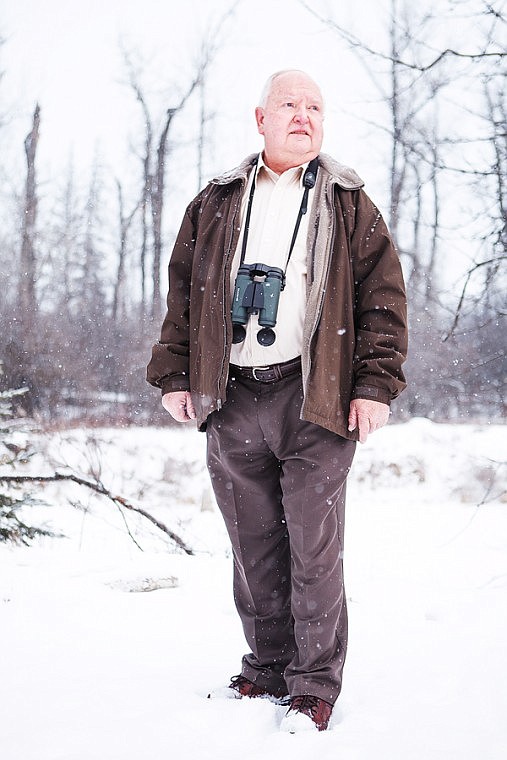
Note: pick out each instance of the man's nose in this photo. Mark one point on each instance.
(301, 113)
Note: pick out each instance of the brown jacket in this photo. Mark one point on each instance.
(355, 337)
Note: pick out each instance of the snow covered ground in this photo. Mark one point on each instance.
(93, 668)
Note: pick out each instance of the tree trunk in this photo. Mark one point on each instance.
(157, 205)
(119, 286)
(27, 298)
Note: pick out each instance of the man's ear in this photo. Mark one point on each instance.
(259, 118)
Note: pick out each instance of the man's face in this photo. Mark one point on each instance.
(291, 122)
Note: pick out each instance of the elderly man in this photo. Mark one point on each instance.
(284, 338)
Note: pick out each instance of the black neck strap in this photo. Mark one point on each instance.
(309, 179)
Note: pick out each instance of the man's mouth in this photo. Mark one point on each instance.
(300, 132)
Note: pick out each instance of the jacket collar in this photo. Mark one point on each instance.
(241, 172)
(338, 174)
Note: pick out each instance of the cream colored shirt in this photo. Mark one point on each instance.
(275, 208)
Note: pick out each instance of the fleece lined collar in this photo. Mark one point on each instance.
(339, 174)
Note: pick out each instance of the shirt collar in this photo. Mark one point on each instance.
(297, 171)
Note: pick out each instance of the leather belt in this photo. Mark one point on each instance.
(270, 374)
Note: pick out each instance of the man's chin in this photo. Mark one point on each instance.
(304, 149)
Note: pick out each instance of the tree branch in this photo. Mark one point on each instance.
(354, 41)
(99, 488)
(459, 308)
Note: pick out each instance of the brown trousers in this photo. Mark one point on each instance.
(280, 485)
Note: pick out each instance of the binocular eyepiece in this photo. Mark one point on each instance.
(256, 291)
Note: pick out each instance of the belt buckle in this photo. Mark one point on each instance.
(258, 369)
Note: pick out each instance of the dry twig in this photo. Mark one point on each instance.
(99, 488)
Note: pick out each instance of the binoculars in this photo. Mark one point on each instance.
(256, 291)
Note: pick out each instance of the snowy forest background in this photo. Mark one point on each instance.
(83, 252)
(112, 116)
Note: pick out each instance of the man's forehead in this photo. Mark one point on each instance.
(293, 88)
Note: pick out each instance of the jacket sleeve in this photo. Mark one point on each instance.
(380, 308)
(168, 368)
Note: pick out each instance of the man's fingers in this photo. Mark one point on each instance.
(368, 416)
(179, 405)
(358, 419)
(352, 418)
(190, 407)
(364, 427)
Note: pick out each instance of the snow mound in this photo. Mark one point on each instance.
(137, 585)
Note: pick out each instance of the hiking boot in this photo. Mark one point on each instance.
(306, 713)
(241, 687)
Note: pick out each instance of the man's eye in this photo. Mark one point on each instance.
(289, 105)
(314, 108)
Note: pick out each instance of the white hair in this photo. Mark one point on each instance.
(269, 83)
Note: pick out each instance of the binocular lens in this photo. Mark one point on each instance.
(266, 336)
(238, 333)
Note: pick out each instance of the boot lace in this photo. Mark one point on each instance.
(306, 704)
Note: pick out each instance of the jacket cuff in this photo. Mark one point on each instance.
(174, 383)
(372, 393)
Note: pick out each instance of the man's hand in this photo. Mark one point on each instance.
(179, 405)
(368, 416)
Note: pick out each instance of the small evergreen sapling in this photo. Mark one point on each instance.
(12, 527)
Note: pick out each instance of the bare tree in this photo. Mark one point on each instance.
(27, 297)
(61, 250)
(157, 193)
(91, 298)
(154, 163)
(205, 118)
(2, 115)
(146, 158)
(485, 282)
(125, 223)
